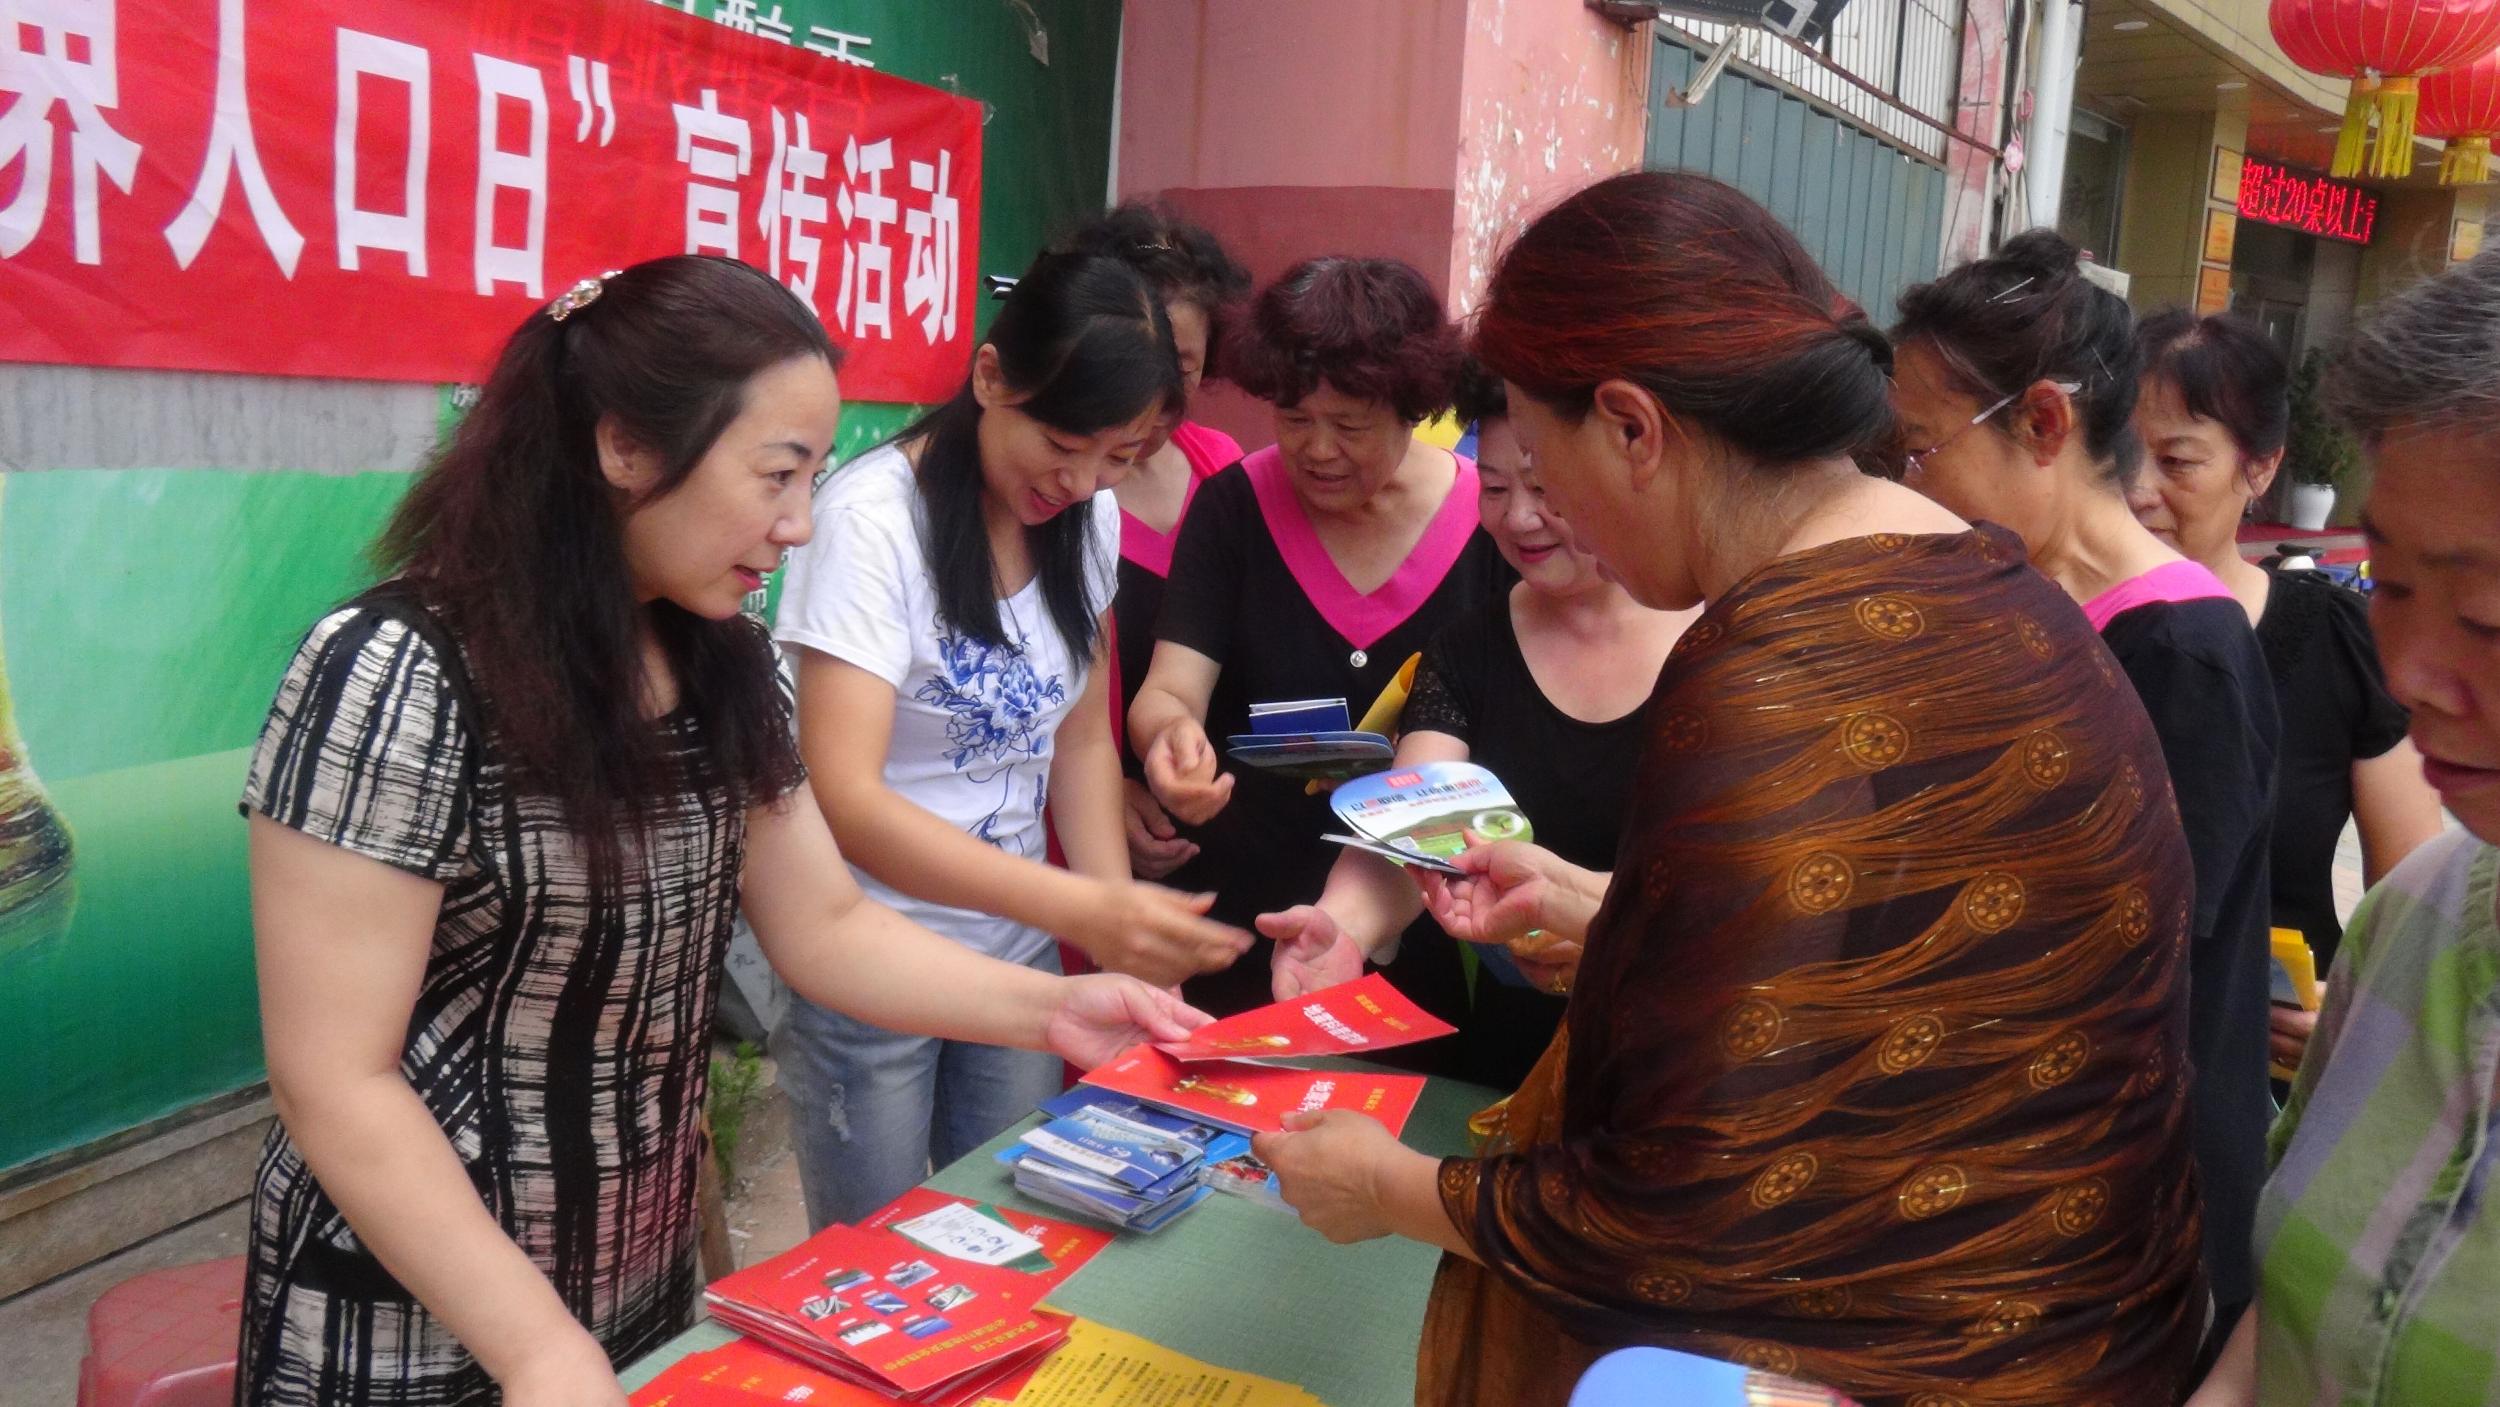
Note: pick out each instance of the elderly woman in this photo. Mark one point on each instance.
(1544, 686)
(1313, 569)
(2214, 415)
(1871, 1073)
(2376, 1254)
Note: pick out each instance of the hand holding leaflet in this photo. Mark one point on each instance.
(1355, 1018)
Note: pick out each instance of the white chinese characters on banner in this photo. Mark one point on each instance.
(500, 169)
(791, 211)
(893, 207)
(232, 152)
(360, 56)
(935, 228)
(717, 150)
(60, 53)
(864, 304)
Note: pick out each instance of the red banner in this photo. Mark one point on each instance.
(318, 188)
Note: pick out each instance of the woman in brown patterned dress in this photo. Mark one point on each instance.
(1871, 1069)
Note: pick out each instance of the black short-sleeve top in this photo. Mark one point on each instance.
(1571, 778)
(2332, 695)
(1254, 589)
(2196, 665)
(1145, 563)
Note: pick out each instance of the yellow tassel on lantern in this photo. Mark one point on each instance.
(2398, 99)
(2354, 137)
(2467, 163)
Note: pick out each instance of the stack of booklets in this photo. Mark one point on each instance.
(879, 1310)
(1117, 1161)
(859, 1336)
(1156, 1131)
(1310, 739)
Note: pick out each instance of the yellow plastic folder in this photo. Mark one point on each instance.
(2295, 979)
(1101, 1367)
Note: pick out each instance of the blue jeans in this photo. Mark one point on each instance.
(872, 1112)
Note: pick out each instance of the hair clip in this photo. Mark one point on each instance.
(2026, 282)
(1000, 285)
(581, 295)
(1160, 244)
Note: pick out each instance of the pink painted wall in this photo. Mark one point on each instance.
(1295, 128)
(1555, 96)
(1417, 129)
(1223, 93)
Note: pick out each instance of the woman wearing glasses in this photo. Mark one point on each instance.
(2016, 380)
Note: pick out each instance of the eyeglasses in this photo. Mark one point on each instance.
(1915, 461)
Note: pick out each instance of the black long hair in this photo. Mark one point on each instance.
(513, 536)
(1084, 344)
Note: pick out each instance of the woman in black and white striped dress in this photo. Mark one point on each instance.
(502, 813)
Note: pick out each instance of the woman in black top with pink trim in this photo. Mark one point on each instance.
(1544, 686)
(2214, 416)
(2015, 382)
(1197, 281)
(1313, 569)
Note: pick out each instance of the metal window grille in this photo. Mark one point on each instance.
(1907, 52)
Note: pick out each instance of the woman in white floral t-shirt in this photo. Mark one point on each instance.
(947, 627)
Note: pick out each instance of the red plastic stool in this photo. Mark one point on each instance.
(165, 1339)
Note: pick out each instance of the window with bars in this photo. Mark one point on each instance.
(1889, 65)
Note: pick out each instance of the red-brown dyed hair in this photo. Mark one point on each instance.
(1372, 328)
(1681, 284)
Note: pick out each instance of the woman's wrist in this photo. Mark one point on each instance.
(560, 1350)
(1038, 1002)
(1066, 905)
(1572, 906)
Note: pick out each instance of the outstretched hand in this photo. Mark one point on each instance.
(1103, 1013)
(1325, 1162)
(1312, 952)
(1500, 895)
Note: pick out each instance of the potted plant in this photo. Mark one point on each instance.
(2320, 455)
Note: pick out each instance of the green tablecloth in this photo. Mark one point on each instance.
(1238, 1285)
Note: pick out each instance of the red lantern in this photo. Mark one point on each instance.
(2461, 106)
(2384, 47)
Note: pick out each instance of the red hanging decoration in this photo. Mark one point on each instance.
(2461, 106)
(2384, 47)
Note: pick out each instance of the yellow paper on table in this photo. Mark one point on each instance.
(1101, 1367)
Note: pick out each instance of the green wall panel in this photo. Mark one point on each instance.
(1869, 212)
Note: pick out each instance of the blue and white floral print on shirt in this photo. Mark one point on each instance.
(999, 711)
(975, 724)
